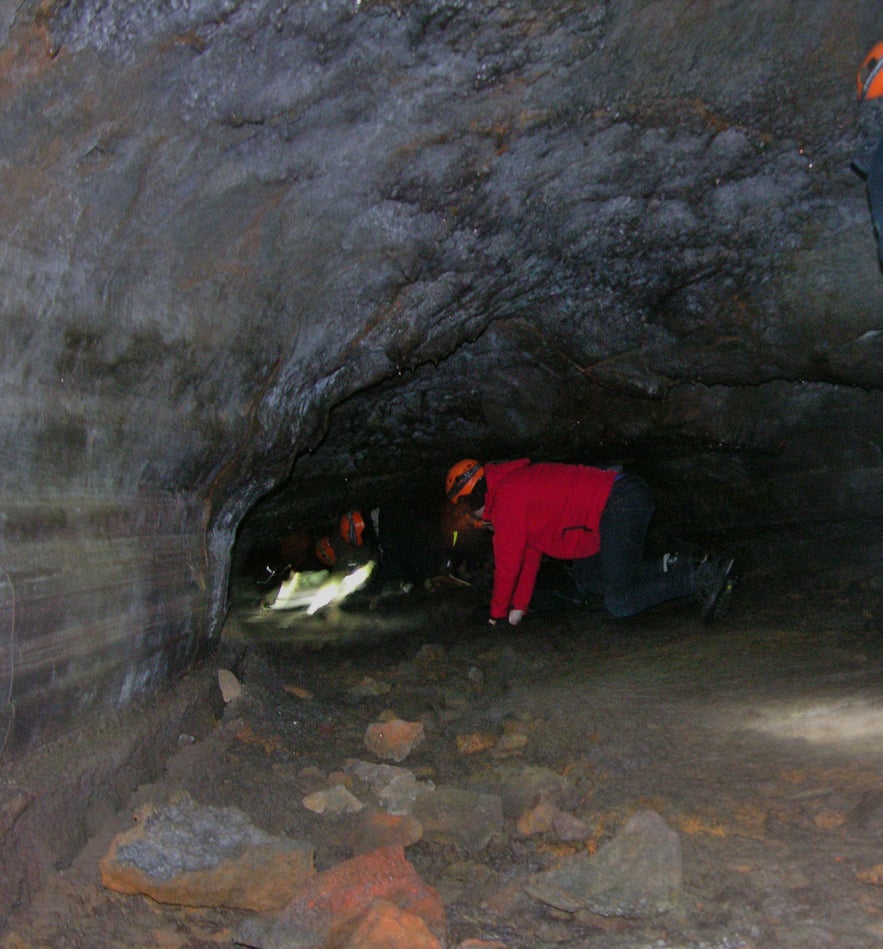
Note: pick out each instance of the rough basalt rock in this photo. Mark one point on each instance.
(205, 856)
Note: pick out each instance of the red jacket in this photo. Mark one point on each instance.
(540, 509)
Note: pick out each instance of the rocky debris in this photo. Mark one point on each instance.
(395, 788)
(468, 818)
(395, 739)
(334, 800)
(867, 816)
(637, 874)
(349, 904)
(14, 802)
(873, 875)
(523, 786)
(377, 809)
(386, 808)
(229, 685)
(509, 743)
(431, 661)
(534, 851)
(386, 926)
(475, 742)
(546, 818)
(481, 944)
(386, 830)
(190, 855)
(369, 686)
(298, 692)
(464, 878)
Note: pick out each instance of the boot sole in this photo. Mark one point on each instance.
(718, 605)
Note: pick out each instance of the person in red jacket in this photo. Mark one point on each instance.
(595, 517)
(868, 161)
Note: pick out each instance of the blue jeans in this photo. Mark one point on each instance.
(868, 162)
(875, 197)
(618, 572)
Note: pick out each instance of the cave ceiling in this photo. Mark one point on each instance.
(305, 251)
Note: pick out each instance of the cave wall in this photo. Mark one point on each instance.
(245, 244)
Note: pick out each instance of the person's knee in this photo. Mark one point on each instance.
(619, 605)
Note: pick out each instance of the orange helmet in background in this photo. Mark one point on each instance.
(352, 527)
(325, 552)
(870, 75)
(462, 478)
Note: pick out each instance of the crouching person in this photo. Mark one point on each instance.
(595, 517)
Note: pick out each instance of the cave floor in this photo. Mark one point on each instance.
(759, 740)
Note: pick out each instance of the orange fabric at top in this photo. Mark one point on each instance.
(870, 74)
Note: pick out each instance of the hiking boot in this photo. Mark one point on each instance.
(714, 588)
(678, 560)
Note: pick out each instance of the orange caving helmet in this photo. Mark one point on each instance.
(870, 75)
(352, 527)
(462, 478)
(325, 551)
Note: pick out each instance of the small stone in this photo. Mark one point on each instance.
(13, 804)
(386, 926)
(430, 654)
(522, 786)
(469, 818)
(570, 828)
(537, 820)
(229, 685)
(387, 830)
(465, 877)
(396, 788)
(370, 687)
(476, 742)
(334, 800)
(395, 739)
(867, 816)
(873, 876)
(509, 744)
(298, 692)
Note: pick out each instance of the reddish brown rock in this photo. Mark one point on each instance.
(387, 830)
(393, 740)
(537, 820)
(331, 906)
(386, 926)
(202, 856)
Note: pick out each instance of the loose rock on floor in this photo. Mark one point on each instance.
(672, 787)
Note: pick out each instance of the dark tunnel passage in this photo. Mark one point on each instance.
(263, 264)
(737, 481)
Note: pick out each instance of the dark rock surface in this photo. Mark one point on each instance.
(311, 252)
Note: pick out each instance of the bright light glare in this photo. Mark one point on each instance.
(824, 723)
(317, 589)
